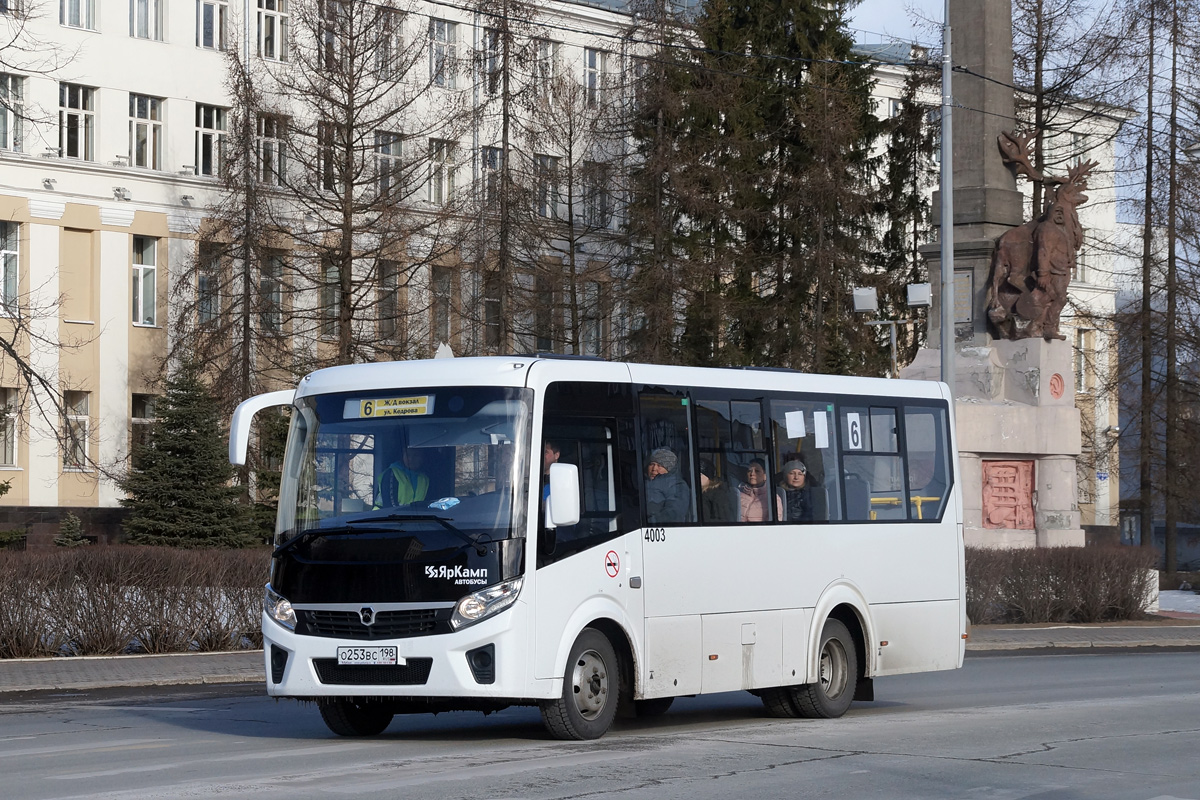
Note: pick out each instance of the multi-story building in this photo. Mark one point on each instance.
(115, 119)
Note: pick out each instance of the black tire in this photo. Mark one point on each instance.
(591, 690)
(837, 676)
(778, 702)
(652, 708)
(353, 716)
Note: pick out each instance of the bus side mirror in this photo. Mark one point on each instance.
(562, 508)
(239, 427)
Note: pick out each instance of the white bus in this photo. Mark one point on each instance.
(584, 535)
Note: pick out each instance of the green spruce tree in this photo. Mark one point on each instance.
(70, 532)
(179, 492)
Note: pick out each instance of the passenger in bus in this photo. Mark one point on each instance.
(402, 483)
(551, 452)
(796, 493)
(668, 498)
(716, 501)
(754, 495)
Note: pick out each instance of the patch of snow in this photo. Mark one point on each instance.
(1188, 602)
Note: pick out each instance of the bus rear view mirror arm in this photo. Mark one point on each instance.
(239, 427)
(563, 503)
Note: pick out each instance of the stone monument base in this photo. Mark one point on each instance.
(1018, 440)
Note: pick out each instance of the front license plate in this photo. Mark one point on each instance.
(368, 655)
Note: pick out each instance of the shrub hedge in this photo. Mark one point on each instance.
(1059, 584)
(122, 599)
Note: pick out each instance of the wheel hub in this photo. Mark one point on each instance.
(590, 681)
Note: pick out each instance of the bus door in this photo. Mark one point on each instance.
(594, 560)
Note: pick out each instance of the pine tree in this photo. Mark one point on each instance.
(179, 492)
(70, 532)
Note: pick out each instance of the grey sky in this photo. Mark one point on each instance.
(881, 20)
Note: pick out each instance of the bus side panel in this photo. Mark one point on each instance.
(673, 656)
(571, 593)
(919, 636)
(796, 623)
(742, 651)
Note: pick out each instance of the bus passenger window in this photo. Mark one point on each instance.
(667, 466)
(873, 469)
(801, 431)
(928, 465)
(732, 439)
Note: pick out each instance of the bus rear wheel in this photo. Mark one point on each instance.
(837, 676)
(353, 716)
(591, 689)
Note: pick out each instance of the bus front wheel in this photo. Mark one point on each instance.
(591, 688)
(837, 676)
(353, 716)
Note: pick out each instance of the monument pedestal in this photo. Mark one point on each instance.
(1018, 439)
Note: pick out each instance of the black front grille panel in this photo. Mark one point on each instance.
(388, 624)
(414, 673)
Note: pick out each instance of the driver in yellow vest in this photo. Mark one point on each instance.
(402, 483)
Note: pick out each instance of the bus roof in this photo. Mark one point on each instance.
(514, 371)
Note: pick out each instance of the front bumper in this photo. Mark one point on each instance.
(310, 668)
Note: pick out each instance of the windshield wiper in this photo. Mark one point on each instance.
(309, 533)
(477, 542)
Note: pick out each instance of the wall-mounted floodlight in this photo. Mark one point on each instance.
(920, 295)
(866, 299)
(121, 193)
(49, 184)
(186, 198)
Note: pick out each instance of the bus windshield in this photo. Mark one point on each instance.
(436, 466)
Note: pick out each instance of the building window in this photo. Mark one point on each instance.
(545, 190)
(441, 289)
(1083, 342)
(545, 65)
(210, 139)
(326, 164)
(491, 61)
(441, 171)
(145, 131)
(1081, 260)
(78, 13)
(76, 121)
(144, 268)
(75, 430)
(388, 46)
(141, 421)
(9, 268)
(597, 202)
(591, 329)
(212, 21)
(543, 315)
(331, 298)
(595, 62)
(442, 38)
(332, 30)
(146, 19)
(208, 283)
(491, 310)
(272, 149)
(11, 109)
(8, 427)
(273, 29)
(389, 300)
(491, 161)
(387, 161)
(270, 291)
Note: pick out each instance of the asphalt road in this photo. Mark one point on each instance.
(1095, 726)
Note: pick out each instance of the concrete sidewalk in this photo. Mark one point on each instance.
(40, 674)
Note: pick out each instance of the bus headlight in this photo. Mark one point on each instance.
(278, 608)
(485, 603)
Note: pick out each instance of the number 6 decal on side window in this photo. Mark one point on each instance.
(853, 432)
